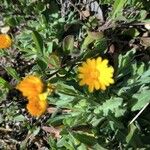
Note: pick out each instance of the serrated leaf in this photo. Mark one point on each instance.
(140, 100)
(113, 105)
(38, 41)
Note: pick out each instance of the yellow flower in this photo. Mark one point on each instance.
(30, 86)
(96, 74)
(37, 105)
(5, 41)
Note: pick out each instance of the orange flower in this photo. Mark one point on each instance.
(37, 105)
(30, 86)
(96, 74)
(5, 41)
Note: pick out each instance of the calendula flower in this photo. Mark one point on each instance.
(30, 86)
(96, 74)
(37, 105)
(5, 41)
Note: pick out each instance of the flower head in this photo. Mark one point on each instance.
(5, 41)
(37, 105)
(33, 88)
(96, 74)
(30, 86)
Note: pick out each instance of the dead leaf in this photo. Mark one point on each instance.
(51, 110)
(93, 6)
(111, 49)
(86, 13)
(54, 131)
(145, 41)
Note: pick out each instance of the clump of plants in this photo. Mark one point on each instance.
(74, 74)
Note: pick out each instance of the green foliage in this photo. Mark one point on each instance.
(113, 105)
(55, 43)
(117, 8)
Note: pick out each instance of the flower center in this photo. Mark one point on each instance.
(94, 74)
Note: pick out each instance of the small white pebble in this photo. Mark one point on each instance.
(147, 26)
(5, 29)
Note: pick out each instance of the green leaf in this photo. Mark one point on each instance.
(11, 71)
(131, 32)
(96, 35)
(98, 147)
(57, 120)
(42, 64)
(52, 143)
(140, 100)
(53, 61)
(11, 21)
(4, 83)
(40, 6)
(38, 41)
(91, 37)
(85, 138)
(133, 138)
(124, 63)
(117, 8)
(66, 89)
(113, 105)
(145, 74)
(49, 47)
(131, 133)
(65, 101)
(68, 43)
(36, 131)
(19, 118)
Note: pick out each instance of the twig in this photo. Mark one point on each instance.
(5, 130)
(81, 14)
(138, 114)
(108, 24)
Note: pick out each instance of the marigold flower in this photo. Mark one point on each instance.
(96, 74)
(37, 105)
(5, 41)
(33, 88)
(30, 86)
